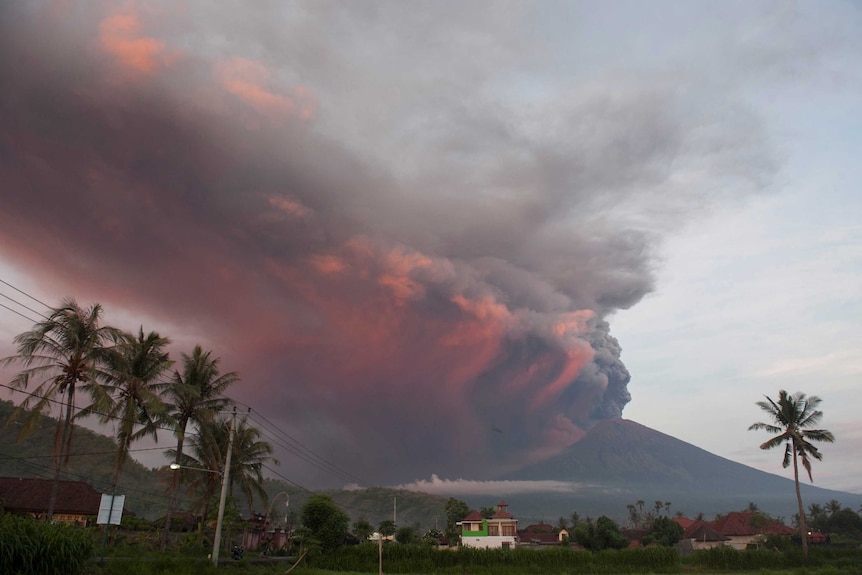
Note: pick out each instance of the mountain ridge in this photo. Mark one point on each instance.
(620, 457)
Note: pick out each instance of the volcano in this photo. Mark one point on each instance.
(620, 462)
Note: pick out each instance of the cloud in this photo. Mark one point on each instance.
(120, 35)
(438, 486)
(418, 269)
(246, 80)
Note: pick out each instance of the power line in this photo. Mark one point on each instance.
(297, 448)
(83, 454)
(24, 306)
(18, 312)
(47, 473)
(90, 411)
(25, 293)
(279, 436)
(271, 430)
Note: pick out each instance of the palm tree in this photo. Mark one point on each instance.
(195, 396)
(815, 510)
(250, 455)
(791, 417)
(201, 469)
(134, 386)
(563, 524)
(67, 350)
(833, 507)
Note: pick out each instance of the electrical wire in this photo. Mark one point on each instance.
(24, 293)
(18, 313)
(13, 300)
(292, 445)
(269, 429)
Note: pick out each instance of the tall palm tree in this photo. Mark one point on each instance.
(195, 395)
(791, 418)
(134, 387)
(201, 467)
(248, 458)
(208, 450)
(66, 351)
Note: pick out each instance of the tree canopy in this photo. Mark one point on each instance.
(326, 522)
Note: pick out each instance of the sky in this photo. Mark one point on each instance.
(441, 240)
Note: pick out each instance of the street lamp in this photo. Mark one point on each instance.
(271, 503)
(225, 480)
(175, 466)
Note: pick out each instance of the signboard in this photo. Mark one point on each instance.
(114, 504)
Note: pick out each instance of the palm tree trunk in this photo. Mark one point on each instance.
(118, 461)
(802, 528)
(62, 453)
(175, 484)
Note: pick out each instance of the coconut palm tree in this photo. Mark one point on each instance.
(833, 507)
(65, 352)
(201, 467)
(791, 418)
(248, 457)
(135, 387)
(195, 396)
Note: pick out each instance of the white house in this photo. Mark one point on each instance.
(499, 531)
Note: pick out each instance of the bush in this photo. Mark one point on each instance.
(30, 547)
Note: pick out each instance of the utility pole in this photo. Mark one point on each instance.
(225, 481)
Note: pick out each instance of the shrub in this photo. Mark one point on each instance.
(30, 547)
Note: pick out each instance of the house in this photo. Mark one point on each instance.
(539, 534)
(76, 503)
(259, 533)
(737, 529)
(744, 528)
(498, 531)
(703, 536)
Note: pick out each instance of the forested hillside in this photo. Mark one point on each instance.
(92, 461)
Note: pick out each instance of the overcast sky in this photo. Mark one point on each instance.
(443, 239)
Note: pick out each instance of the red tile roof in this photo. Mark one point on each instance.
(683, 522)
(749, 523)
(473, 516)
(32, 495)
(502, 514)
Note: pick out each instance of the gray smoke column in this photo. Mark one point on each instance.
(403, 260)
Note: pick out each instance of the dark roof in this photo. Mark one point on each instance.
(539, 528)
(473, 516)
(32, 495)
(502, 514)
(701, 531)
(749, 523)
(540, 538)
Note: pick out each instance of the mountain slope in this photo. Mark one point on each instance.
(623, 452)
(620, 461)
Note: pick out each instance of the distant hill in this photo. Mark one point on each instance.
(619, 462)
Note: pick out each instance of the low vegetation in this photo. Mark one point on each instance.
(29, 547)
